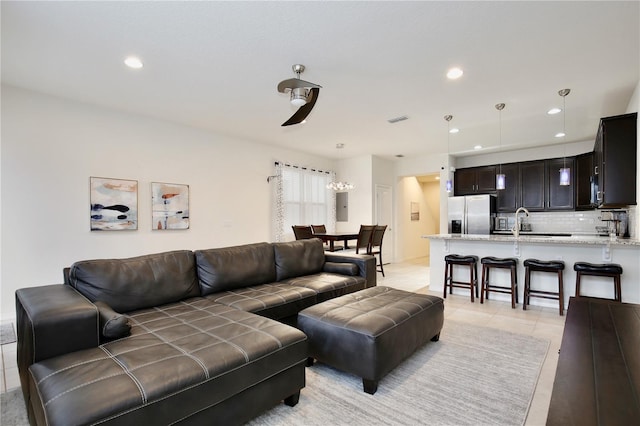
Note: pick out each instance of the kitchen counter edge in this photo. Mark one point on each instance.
(574, 239)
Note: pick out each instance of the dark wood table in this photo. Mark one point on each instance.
(598, 377)
(332, 237)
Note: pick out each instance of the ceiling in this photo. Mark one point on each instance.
(215, 66)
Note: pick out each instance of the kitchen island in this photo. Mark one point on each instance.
(568, 248)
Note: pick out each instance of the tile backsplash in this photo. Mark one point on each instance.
(571, 222)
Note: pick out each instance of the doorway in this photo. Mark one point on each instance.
(429, 222)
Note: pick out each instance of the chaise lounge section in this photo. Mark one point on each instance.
(176, 337)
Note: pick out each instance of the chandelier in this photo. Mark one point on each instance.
(339, 185)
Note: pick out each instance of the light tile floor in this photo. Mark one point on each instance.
(414, 276)
(536, 321)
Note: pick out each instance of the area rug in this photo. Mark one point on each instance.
(472, 376)
(7, 335)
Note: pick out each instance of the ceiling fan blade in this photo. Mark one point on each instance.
(294, 83)
(305, 109)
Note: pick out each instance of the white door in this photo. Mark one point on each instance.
(384, 216)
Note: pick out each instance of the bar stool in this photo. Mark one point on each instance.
(612, 270)
(531, 265)
(455, 259)
(502, 263)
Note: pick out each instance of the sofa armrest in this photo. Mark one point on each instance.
(366, 264)
(52, 320)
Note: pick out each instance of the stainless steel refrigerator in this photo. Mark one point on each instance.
(471, 214)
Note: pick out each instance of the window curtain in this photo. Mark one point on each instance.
(301, 197)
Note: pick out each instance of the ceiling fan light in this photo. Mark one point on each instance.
(298, 97)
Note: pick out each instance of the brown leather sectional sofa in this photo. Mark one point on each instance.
(176, 337)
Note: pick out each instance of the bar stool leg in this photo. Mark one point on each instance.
(525, 297)
(471, 281)
(514, 288)
(446, 278)
(475, 281)
(561, 293)
(616, 281)
(578, 276)
(483, 284)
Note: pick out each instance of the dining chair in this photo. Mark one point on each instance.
(376, 244)
(364, 238)
(302, 232)
(320, 229)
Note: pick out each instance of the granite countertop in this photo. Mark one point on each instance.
(550, 239)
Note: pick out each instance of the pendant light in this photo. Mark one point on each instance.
(565, 172)
(340, 185)
(500, 178)
(449, 184)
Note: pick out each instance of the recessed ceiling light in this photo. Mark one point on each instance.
(477, 147)
(553, 111)
(454, 73)
(560, 135)
(133, 62)
(454, 130)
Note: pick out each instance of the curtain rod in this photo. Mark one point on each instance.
(301, 167)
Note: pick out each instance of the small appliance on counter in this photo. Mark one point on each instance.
(471, 214)
(617, 223)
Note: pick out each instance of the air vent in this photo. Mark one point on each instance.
(395, 120)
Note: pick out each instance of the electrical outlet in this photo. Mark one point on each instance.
(516, 249)
(606, 253)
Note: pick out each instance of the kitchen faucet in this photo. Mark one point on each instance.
(516, 226)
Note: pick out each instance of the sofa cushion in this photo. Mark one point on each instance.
(137, 282)
(273, 300)
(327, 285)
(230, 268)
(297, 258)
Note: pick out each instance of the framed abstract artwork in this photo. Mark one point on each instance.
(415, 211)
(170, 206)
(114, 204)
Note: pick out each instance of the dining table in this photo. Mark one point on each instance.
(332, 237)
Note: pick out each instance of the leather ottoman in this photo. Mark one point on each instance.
(370, 332)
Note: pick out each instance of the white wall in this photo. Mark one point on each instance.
(50, 148)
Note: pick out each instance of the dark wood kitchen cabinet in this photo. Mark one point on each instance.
(532, 185)
(475, 180)
(508, 199)
(584, 190)
(615, 155)
(559, 197)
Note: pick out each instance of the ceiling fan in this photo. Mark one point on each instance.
(303, 95)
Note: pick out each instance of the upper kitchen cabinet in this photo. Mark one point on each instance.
(532, 185)
(508, 199)
(475, 180)
(615, 155)
(584, 181)
(559, 197)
